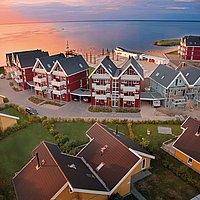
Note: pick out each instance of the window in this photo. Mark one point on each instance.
(190, 161)
(144, 163)
(81, 83)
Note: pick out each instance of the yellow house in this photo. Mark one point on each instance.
(7, 121)
(187, 145)
(106, 165)
(2, 99)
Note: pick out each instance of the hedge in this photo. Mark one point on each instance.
(99, 109)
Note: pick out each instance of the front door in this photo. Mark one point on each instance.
(115, 101)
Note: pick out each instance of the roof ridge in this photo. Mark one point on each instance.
(96, 175)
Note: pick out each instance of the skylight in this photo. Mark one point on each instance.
(187, 74)
(162, 77)
(72, 166)
(110, 70)
(110, 66)
(80, 65)
(48, 65)
(100, 166)
(157, 74)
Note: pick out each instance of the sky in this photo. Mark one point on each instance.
(14, 11)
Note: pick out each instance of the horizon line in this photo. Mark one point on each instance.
(102, 20)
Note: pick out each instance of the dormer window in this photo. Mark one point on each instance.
(100, 166)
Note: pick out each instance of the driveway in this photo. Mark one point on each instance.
(70, 109)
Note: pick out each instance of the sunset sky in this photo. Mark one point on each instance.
(56, 10)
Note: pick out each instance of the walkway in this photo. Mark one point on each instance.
(71, 109)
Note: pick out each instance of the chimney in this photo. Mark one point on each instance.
(116, 130)
(38, 160)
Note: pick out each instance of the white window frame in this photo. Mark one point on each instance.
(144, 163)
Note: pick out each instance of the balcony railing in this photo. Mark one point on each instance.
(58, 73)
(58, 83)
(100, 76)
(18, 80)
(59, 92)
(128, 88)
(130, 77)
(40, 71)
(129, 98)
(39, 80)
(40, 88)
(100, 97)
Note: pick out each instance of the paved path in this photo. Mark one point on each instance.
(70, 109)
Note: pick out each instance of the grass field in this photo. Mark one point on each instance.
(171, 42)
(1, 70)
(74, 131)
(173, 52)
(16, 149)
(14, 112)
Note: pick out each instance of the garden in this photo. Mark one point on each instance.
(170, 177)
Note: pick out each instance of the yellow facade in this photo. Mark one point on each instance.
(6, 122)
(1, 100)
(123, 189)
(184, 158)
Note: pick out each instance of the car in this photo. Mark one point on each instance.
(31, 111)
(2, 76)
(76, 99)
(86, 100)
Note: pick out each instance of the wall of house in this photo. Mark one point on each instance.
(6, 122)
(195, 165)
(67, 195)
(179, 82)
(157, 87)
(1, 100)
(27, 77)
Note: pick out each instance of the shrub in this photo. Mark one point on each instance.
(11, 84)
(99, 109)
(5, 100)
(128, 110)
(116, 196)
(35, 100)
(54, 103)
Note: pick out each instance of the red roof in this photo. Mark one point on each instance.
(105, 149)
(189, 141)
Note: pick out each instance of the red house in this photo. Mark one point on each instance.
(55, 77)
(20, 65)
(189, 48)
(116, 87)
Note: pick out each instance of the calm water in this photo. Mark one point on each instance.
(91, 36)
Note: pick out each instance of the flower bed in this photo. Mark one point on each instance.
(128, 110)
(35, 100)
(99, 109)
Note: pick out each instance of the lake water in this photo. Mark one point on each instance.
(91, 36)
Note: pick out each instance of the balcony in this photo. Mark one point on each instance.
(137, 87)
(18, 80)
(129, 98)
(59, 92)
(58, 83)
(100, 76)
(58, 73)
(100, 97)
(40, 88)
(130, 77)
(100, 87)
(108, 95)
(39, 80)
(40, 71)
(128, 88)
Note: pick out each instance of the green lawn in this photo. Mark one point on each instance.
(14, 112)
(121, 127)
(16, 149)
(156, 139)
(74, 131)
(173, 52)
(171, 42)
(1, 70)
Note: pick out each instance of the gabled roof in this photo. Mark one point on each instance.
(49, 61)
(132, 62)
(29, 59)
(192, 40)
(110, 67)
(109, 157)
(41, 184)
(129, 142)
(188, 142)
(75, 170)
(73, 65)
(191, 74)
(164, 75)
(9, 116)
